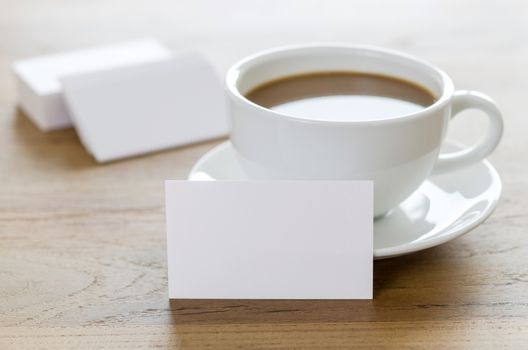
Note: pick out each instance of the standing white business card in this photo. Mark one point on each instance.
(270, 239)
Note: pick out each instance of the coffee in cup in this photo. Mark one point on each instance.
(341, 96)
(346, 112)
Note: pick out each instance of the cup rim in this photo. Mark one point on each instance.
(233, 74)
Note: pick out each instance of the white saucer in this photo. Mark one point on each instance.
(445, 206)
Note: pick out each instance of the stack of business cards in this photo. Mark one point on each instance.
(125, 99)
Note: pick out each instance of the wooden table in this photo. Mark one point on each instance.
(82, 245)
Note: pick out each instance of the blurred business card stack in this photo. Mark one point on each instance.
(125, 99)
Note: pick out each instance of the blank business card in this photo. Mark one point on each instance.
(37, 78)
(270, 240)
(127, 111)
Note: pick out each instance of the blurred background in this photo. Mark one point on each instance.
(458, 36)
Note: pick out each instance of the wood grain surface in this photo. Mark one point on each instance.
(82, 246)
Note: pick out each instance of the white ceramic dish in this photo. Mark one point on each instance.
(444, 207)
(402, 149)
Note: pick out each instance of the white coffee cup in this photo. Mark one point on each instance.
(398, 154)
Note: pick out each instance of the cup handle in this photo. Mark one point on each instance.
(464, 99)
